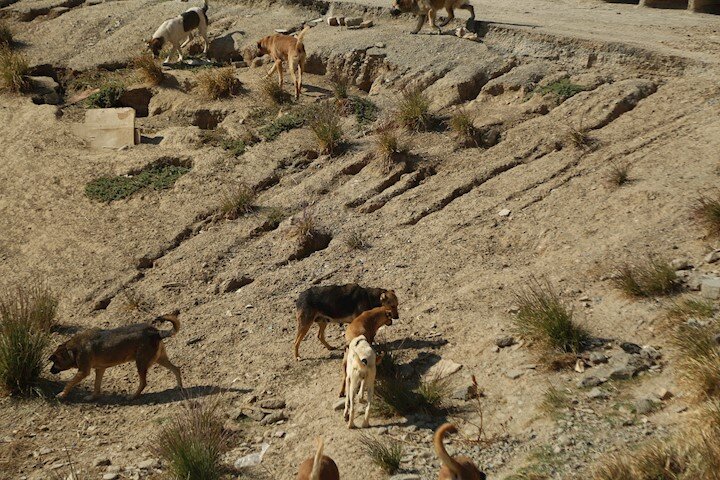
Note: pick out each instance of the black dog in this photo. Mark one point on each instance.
(339, 304)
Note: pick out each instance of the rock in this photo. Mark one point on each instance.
(710, 288)
(274, 417)
(464, 82)
(137, 98)
(252, 413)
(694, 282)
(514, 374)
(644, 406)
(380, 45)
(111, 476)
(148, 464)
(590, 381)
(443, 368)
(45, 90)
(272, 403)
(597, 358)
(597, 394)
(108, 128)
(650, 354)
(465, 393)
(632, 348)
(232, 284)
(504, 212)
(279, 434)
(523, 78)
(680, 264)
(713, 257)
(339, 405)
(226, 48)
(623, 373)
(56, 12)
(353, 21)
(101, 462)
(504, 342)
(664, 394)
(253, 459)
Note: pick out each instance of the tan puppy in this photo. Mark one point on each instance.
(359, 378)
(100, 349)
(284, 48)
(459, 468)
(321, 467)
(366, 324)
(428, 8)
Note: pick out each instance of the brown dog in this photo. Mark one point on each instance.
(100, 349)
(367, 324)
(458, 468)
(284, 48)
(428, 8)
(339, 304)
(321, 467)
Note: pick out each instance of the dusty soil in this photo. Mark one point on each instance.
(433, 227)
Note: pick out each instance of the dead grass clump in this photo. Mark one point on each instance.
(554, 400)
(692, 308)
(148, 69)
(461, 124)
(434, 394)
(700, 358)
(6, 37)
(543, 317)
(651, 278)
(413, 111)
(619, 174)
(273, 92)
(356, 240)
(390, 148)
(215, 83)
(385, 454)
(13, 71)
(193, 442)
(340, 86)
(325, 124)
(274, 216)
(580, 138)
(707, 211)
(237, 202)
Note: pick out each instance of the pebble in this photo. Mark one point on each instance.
(631, 348)
(514, 374)
(504, 342)
(273, 403)
(590, 381)
(597, 394)
(504, 212)
(111, 476)
(148, 464)
(713, 257)
(101, 462)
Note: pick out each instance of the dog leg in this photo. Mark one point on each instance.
(187, 40)
(347, 398)
(344, 369)
(450, 17)
(98, 383)
(420, 21)
(470, 24)
(321, 335)
(352, 391)
(143, 365)
(301, 69)
(203, 33)
(302, 330)
(79, 377)
(164, 361)
(293, 68)
(370, 393)
(270, 72)
(281, 79)
(431, 20)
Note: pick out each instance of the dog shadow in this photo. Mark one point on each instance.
(66, 329)
(414, 344)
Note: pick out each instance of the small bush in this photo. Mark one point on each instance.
(434, 394)
(215, 83)
(149, 69)
(390, 148)
(580, 138)
(280, 125)
(461, 124)
(385, 454)
(13, 71)
(619, 174)
(554, 400)
(562, 88)
(652, 278)
(708, 212)
(365, 111)
(543, 318)
(234, 146)
(273, 92)
(6, 37)
(340, 85)
(303, 227)
(238, 202)
(328, 131)
(414, 110)
(356, 240)
(193, 443)
(26, 317)
(692, 308)
(700, 358)
(275, 216)
(107, 189)
(107, 97)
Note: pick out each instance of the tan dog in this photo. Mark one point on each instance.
(359, 378)
(100, 349)
(321, 467)
(366, 324)
(428, 8)
(458, 468)
(284, 48)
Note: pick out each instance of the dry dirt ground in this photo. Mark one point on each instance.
(652, 101)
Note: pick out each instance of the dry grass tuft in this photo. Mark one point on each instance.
(651, 278)
(237, 201)
(544, 318)
(325, 124)
(385, 454)
(390, 148)
(13, 71)
(148, 69)
(413, 111)
(554, 400)
(707, 211)
(6, 37)
(356, 240)
(215, 83)
(273, 92)
(461, 124)
(619, 174)
(692, 308)
(340, 86)
(700, 358)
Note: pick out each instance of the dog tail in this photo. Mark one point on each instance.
(442, 454)
(205, 7)
(172, 318)
(301, 36)
(317, 461)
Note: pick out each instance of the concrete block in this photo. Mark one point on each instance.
(109, 128)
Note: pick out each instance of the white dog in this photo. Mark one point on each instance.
(179, 29)
(359, 377)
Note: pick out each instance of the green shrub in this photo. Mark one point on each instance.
(708, 212)
(237, 202)
(692, 308)
(562, 88)
(280, 125)
(414, 110)
(461, 124)
(159, 177)
(650, 278)
(328, 131)
(107, 97)
(385, 454)
(365, 111)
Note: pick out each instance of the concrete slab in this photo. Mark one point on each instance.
(109, 128)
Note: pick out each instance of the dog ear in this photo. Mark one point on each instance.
(383, 296)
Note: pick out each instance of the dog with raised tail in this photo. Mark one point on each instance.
(286, 49)
(359, 378)
(178, 32)
(458, 468)
(320, 467)
(423, 9)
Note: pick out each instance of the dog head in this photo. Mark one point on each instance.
(363, 350)
(262, 47)
(388, 316)
(62, 359)
(155, 45)
(390, 300)
(404, 6)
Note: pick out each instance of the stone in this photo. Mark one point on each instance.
(111, 476)
(522, 78)
(274, 417)
(597, 394)
(108, 127)
(233, 284)
(597, 358)
(623, 373)
(45, 91)
(137, 98)
(632, 348)
(252, 413)
(504, 342)
(504, 212)
(664, 394)
(226, 48)
(590, 381)
(710, 288)
(713, 257)
(339, 405)
(514, 374)
(353, 21)
(680, 264)
(272, 403)
(253, 459)
(650, 354)
(644, 406)
(443, 368)
(694, 282)
(101, 462)
(148, 464)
